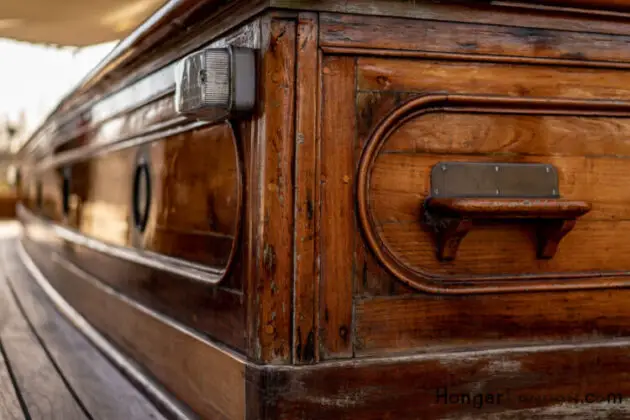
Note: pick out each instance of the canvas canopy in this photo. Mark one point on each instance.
(72, 22)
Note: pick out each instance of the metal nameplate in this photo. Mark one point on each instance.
(474, 179)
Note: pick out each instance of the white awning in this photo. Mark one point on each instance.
(72, 22)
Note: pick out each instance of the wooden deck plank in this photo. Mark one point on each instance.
(102, 389)
(42, 388)
(9, 404)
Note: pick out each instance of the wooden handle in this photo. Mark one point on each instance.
(452, 219)
(508, 208)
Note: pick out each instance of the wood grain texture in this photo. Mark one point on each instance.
(517, 208)
(408, 34)
(399, 74)
(306, 271)
(337, 230)
(579, 381)
(101, 388)
(494, 13)
(393, 257)
(401, 181)
(196, 199)
(173, 355)
(43, 390)
(10, 408)
(387, 325)
(271, 314)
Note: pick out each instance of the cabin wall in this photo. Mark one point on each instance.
(311, 220)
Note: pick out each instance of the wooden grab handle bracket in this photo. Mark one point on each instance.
(452, 219)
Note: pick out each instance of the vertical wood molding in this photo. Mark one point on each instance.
(305, 325)
(337, 211)
(270, 314)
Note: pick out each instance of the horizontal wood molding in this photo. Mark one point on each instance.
(352, 31)
(479, 58)
(214, 311)
(535, 382)
(577, 17)
(389, 325)
(431, 282)
(149, 259)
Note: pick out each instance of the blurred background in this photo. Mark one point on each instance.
(46, 48)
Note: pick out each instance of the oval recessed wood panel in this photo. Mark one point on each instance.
(198, 187)
(195, 200)
(587, 141)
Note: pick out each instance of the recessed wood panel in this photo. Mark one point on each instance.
(398, 178)
(195, 204)
(196, 213)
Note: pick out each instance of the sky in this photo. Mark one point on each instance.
(33, 78)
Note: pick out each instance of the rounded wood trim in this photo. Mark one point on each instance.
(435, 283)
(240, 208)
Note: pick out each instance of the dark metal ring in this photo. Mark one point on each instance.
(142, 178)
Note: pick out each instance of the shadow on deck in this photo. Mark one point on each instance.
(48, 369)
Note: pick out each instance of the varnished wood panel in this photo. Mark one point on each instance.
(588, 152)
(597, 180)
(101, 388)
(398, 75)
(96, 209)
(337, 207)
(545, 135)
(215, 311)
(196, 196)
(397, 324)
(197, 210)
(425, 35)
